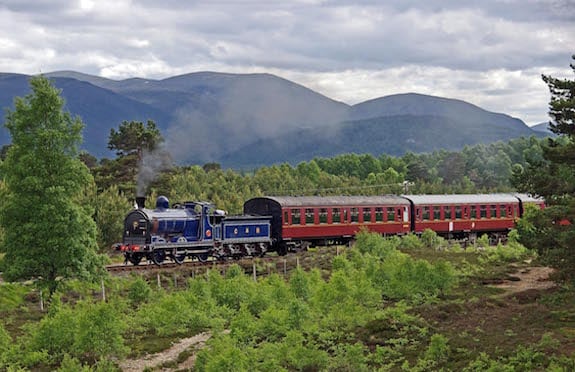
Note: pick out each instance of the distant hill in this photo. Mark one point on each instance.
(248, 119)
(393, 135)
(543, 128)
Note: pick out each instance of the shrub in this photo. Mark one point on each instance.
(89, 331)
(139, 292)
(430, 239)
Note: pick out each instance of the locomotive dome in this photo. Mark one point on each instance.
(162, 202)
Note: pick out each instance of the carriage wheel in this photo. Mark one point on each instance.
(179, 258)
(135, 259)
(158, 257)
(203, 257)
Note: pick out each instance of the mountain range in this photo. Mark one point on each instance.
(247, 120)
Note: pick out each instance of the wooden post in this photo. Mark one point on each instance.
(254, 271)
(285, 267)
(41, 302)
(175, 281)
(103, 292)
(158, 280)
(297, 262)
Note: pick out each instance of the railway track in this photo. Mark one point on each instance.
(199, 267)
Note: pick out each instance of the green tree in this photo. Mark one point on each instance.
(111, 207)
(132, 142)
(48, 234)
(134, 137)
(553, 177)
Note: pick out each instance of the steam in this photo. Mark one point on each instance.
(152, 163)
(230, 112)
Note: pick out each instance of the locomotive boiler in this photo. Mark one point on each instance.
(194, 230)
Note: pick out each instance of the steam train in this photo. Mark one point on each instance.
(198, 230)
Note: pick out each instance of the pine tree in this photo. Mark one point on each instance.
(48, 234)
(553, 177)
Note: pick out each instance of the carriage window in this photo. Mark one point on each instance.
(436, 213)
(336, 216)
(458, 212)
(483, 211)
(378, 214)
(366, 214)
(493, 209)
(502, 211)
(473, 213)
(345, 215)
(309, 220)
(425, 215)
(354, 212)
(295, 217)
(323, 215)
(286, 221)
(390, 214)
(447, 212)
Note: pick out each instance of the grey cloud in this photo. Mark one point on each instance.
(157, 39)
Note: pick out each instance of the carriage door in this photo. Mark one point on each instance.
(401, 213)
(465, 212)
(418, 216)
(510, 211)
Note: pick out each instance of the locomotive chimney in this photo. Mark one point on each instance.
(141, 201)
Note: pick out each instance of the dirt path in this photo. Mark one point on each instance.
(528, 278)
(156, 360)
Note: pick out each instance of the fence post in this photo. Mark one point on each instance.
(103, 292)
(285, 267)
(41, 302)
(255, 275)
(158, 279)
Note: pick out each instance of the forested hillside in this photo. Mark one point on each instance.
(248, 120)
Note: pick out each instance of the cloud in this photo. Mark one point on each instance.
(491, 52)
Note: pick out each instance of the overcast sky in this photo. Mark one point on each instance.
(490, 52)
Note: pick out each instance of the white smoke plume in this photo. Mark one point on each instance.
(152, 163)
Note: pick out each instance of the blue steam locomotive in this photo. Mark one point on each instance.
(194, 230)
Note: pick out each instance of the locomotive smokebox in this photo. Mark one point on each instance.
(141, 201)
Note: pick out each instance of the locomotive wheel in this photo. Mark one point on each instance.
(203, 257)
(158, 257)
(179, 258)
(135, 259)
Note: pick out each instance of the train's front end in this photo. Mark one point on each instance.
(158, 233)
(137, 226)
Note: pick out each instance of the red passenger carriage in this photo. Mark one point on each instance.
(325, 220)
(462, 216)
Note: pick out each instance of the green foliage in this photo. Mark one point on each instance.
(411, 241)
(111, 207)
(44, 181)
(134, 137)
(177, 314)
(140, 156)
(139, 292)
(70, 364)
(349, 357)
(399, 275)
(299, 284)
(11, 296)
(511, 252)
(222, 355)
(88, 331)
(552, 176)
(430, 239)
(483, 241)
